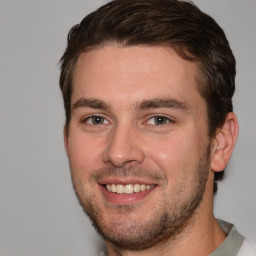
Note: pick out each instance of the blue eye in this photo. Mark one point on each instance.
(159, 120)
(96, 120)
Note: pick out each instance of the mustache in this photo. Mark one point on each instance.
(125, 172)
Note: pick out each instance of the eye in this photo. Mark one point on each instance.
(96, 120)
(159, 120)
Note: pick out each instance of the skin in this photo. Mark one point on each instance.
(127, 88)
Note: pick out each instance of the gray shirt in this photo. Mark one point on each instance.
(233, 242)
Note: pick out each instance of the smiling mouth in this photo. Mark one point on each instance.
(128, 189)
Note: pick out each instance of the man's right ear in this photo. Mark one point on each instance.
(66, 139)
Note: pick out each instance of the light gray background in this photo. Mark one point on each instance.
(39, 214)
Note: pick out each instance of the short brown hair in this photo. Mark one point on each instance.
(177, 24)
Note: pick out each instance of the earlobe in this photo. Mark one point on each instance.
(66, 140)
(224, 143)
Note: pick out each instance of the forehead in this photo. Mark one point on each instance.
(141, 71)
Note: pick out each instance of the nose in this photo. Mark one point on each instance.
(124, 147)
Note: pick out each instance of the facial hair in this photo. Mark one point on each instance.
(169, 218)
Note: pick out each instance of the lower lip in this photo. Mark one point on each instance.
(125, 199)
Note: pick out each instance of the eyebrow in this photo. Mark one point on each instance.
(90, 103)
(162, 103)
(145, 104)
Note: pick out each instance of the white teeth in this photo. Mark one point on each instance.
(127, 189)
(119, 189)
(148, 187)
(113, 187)
(137, 188)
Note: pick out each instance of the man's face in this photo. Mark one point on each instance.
(138, 124)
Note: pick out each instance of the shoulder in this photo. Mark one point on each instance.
(247, 249)
(104, 253)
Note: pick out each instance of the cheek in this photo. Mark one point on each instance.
(176, 155)
(84, 154)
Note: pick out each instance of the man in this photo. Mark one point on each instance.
(147, 88)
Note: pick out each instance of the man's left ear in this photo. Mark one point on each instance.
(65, 135)
(224, 143)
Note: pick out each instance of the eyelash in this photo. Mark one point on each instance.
(94, 116)
(164, 118)
(103, 120)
